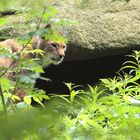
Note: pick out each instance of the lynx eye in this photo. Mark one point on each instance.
(54, 45)
(64, 47)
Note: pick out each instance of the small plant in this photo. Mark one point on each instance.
(127, 83)
(107, 111)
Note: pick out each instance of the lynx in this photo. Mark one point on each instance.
(54, 53)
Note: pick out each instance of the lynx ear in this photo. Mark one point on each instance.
(36, 42)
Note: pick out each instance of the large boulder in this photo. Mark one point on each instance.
(105, 27)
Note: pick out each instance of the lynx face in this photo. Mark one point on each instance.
(54, 52)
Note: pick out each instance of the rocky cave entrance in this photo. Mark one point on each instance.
(79, 72)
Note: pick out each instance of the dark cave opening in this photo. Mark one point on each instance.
(79, 72)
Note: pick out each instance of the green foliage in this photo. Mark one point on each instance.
(2, 21)
(109, 111)
(26, 71)
(3, 4)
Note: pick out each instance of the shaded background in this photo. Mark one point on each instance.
(79, 72)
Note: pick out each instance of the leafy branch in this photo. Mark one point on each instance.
(29, 40)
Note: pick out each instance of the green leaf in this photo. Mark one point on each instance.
(45, 97)
(3, 21)
(128, 67)
(105, 81)
(41, 32)
(26, 79)
(6, 84)
(27, 100)
(130, 62)
(27, 36)
(37, 51)
(38, 69)
(5, 52)
(51, 12)
(14, 98)
(36, 98)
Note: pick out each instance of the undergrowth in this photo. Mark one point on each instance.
(108, 111)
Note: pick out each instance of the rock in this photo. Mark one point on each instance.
(105, 27)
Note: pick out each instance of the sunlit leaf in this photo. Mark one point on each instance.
(14, 98)
(51, 12)
(3, 21)
(36, 98)
(27, 100)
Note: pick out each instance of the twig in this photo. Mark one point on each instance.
(3, 100)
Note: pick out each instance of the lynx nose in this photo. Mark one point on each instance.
(61, 55)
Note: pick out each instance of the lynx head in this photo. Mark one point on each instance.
(54, 52)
